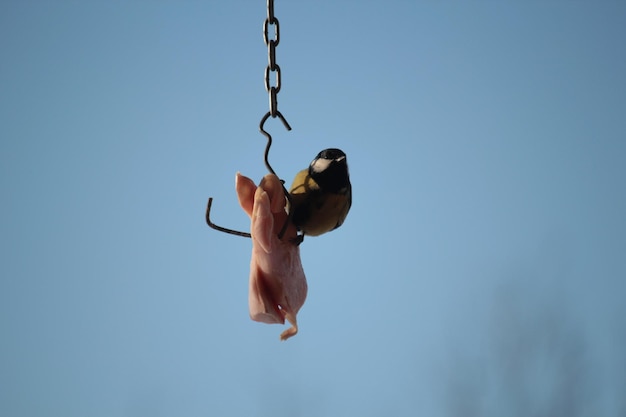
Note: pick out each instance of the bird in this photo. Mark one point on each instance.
(321, 195)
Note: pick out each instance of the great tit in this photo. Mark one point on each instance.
(321, 195)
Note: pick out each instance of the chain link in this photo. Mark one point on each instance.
(272, 66)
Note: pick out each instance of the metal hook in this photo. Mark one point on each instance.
(269, 167)
(221, 229)
(269, 137)
(273, 102)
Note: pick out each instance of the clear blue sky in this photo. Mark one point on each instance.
(481, 271)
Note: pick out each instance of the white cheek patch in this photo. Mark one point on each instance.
(320, 165)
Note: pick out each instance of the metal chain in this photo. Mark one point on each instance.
(272, 66)
(272, 90)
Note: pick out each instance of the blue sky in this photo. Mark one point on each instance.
(480, 271)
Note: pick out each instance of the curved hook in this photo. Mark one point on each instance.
(269, 137)
(221, 229)
(269, 167)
